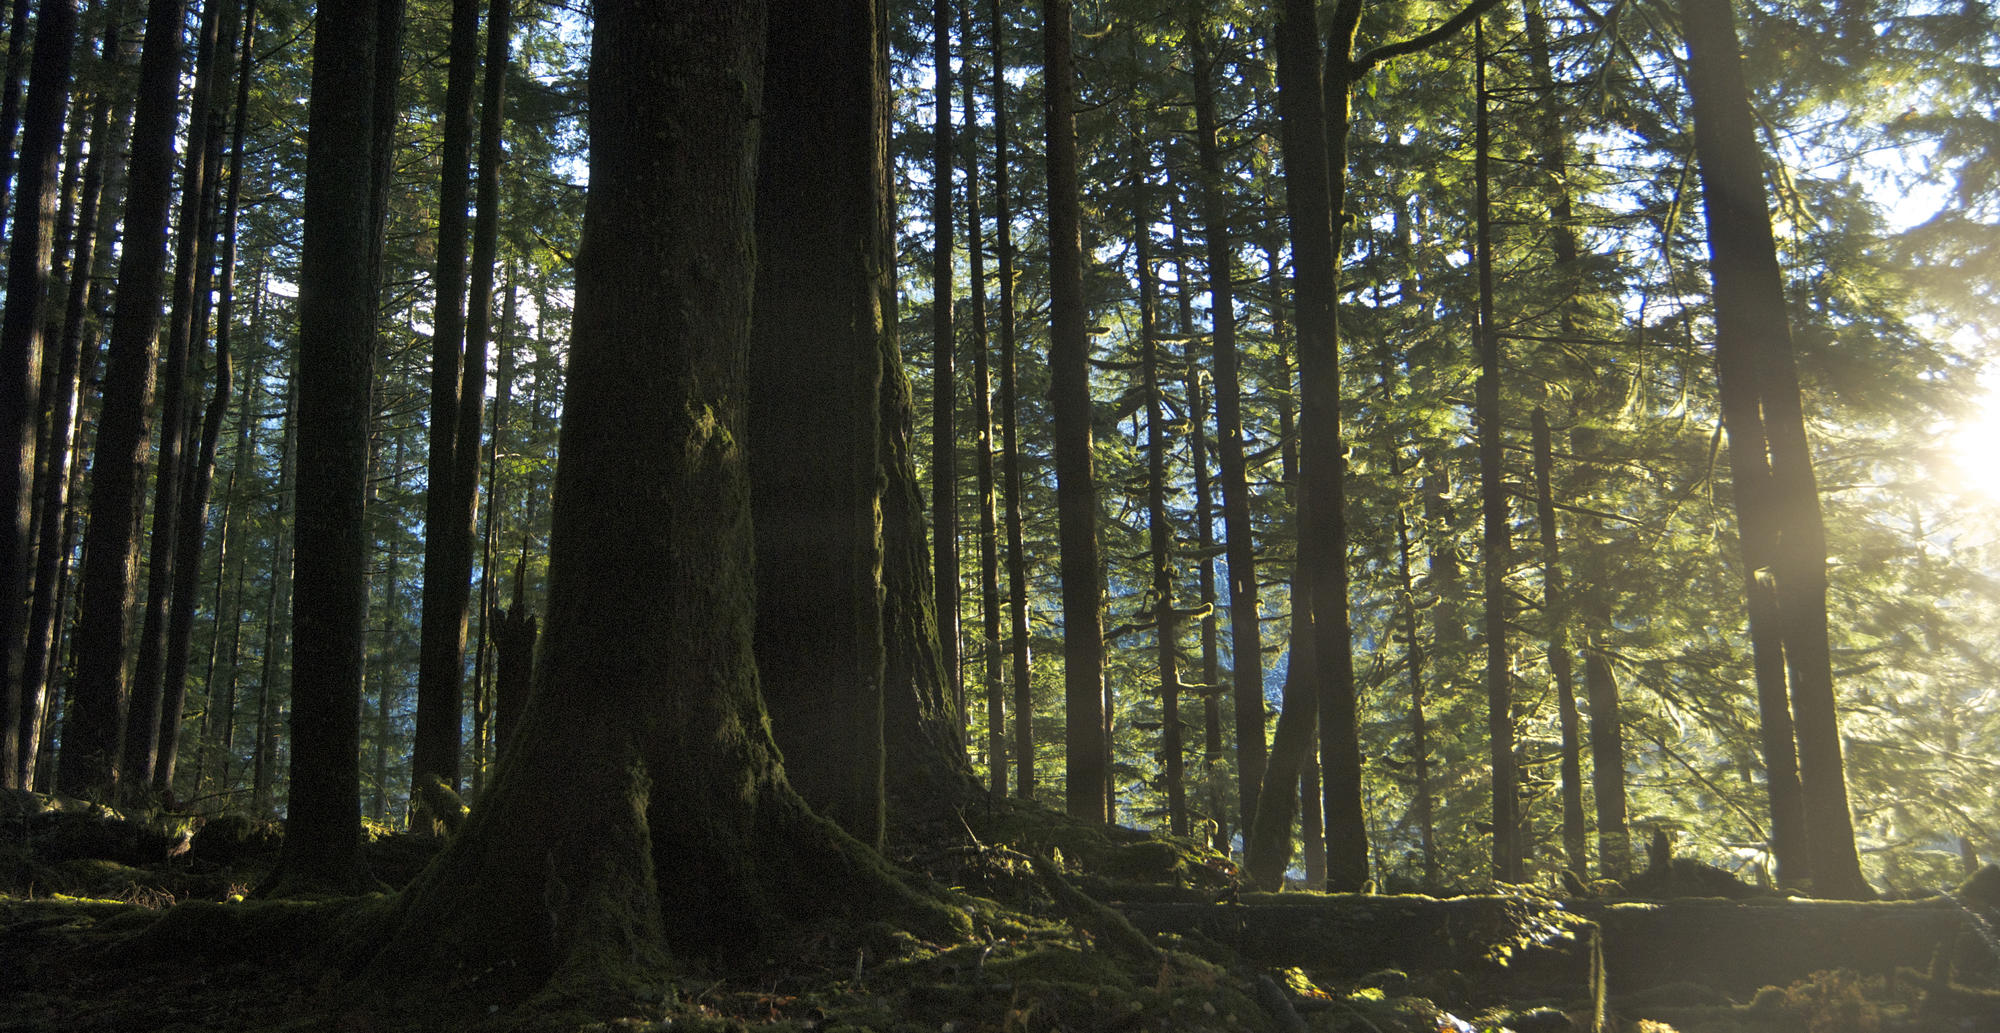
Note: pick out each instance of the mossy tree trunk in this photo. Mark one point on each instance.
(815, 399)
(642, 811)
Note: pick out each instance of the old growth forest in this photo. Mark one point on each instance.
(1444, 515)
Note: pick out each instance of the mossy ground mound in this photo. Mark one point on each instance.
(1039, 959)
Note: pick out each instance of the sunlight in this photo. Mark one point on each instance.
(1973, 447)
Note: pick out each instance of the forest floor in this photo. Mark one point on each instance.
(1109, 930)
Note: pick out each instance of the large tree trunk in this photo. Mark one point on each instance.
(1087, 774)
(21, 329)
(1313, 124)
(814, 414)
(643, 809)
(93, 729)
(354, 44)
(1756, 372)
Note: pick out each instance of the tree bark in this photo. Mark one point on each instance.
(29, 253)
(815, 411)
(642, 811)
(1756, 372)
(944, 348)
(94, 729)
(1087, 776)
(1010, 444)
(1246, 648)
(982, 415)
(447, 577)
(1159, 530)
(354, 44)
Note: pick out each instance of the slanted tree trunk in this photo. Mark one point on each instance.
(199, 479)
(641, 812)
(29, 253)
(1087, 774)
(178, 390)
(354, 43)
(1758, 378)
(94, 728)
(1246, 649)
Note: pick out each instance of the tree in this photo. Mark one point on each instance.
(814, 419)
(642, 812)
(1087, 787)
(1778, 502)
(94, 728)
(356, 49)
(449, 502)
(28, 258)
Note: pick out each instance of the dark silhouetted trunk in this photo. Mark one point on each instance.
(1494, 546)
(982, 415)
(1313, 124)
(1757, 375)
(1246, 650)
(1010, 444)
(337, 309)
(199, 479)
(944, 375)
(447, 579)
(1087, 774)
(94, 728)
(1555, 611)
(29, 254)
(641, 808)
(1159, 530)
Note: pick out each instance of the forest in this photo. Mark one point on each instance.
(1094, 514)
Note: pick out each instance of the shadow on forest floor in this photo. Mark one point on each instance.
(1079, 928)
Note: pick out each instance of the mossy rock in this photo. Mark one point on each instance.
(233, 840)
(397, 858)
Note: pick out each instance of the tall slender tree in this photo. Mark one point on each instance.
(21, 329)
(944, 361)
(447, 587)
(1010, 438)
(1246, 649)
(1087, 785)
(355, 43)
(94, 728)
